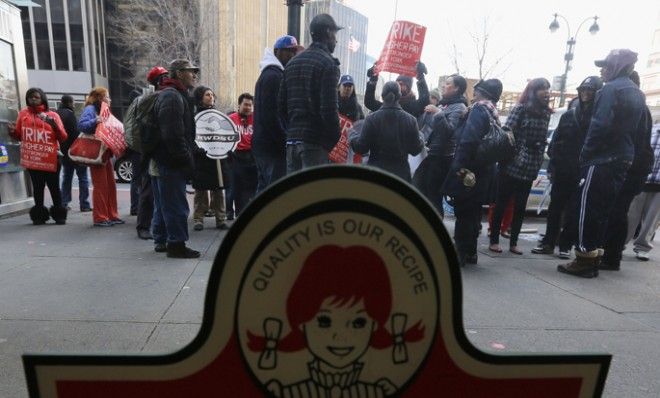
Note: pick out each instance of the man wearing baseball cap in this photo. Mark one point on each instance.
(608, 152)
(308, 98)
(269, 137)
(174, 160)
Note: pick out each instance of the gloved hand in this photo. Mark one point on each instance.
(371, 74)
(421, 70)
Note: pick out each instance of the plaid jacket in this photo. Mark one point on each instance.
(307, 100)
(530, 130)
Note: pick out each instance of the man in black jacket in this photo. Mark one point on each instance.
(68, 166)
(564, 168)
(408, 101)
(308, 98)
(617, 223)
(608, 152)
(174, 160)
(269, 137)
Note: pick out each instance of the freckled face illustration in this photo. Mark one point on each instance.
(340, 332)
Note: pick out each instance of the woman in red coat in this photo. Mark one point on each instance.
(40, 130)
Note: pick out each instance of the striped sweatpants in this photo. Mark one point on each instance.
(599, 187)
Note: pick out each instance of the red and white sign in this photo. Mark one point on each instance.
(339, 281)
(402, 49)
(111, 132)
(39, 143)
(339, 153)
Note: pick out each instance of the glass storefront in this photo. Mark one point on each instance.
(14, 187)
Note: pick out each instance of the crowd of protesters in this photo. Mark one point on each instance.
(604, 159)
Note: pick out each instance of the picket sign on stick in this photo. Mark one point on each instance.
(402, 49)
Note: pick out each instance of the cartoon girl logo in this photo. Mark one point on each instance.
(338, 309)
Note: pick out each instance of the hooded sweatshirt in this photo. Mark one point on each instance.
(269, 135)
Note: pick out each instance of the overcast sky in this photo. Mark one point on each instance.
(519, 28)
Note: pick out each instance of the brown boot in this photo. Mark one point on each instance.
(583, 266)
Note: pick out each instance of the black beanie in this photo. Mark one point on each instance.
(491, 88)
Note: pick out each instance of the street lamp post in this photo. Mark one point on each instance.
(570, 47)
(293, 27)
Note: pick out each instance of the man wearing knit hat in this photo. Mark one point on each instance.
(408, 101)
(607, 154)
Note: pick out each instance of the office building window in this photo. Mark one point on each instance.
(42, 40)
(27, 37)
(77, 36)
(59, 34)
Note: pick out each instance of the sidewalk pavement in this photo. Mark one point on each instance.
(76, 288)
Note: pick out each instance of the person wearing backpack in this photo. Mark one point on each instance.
(564, 169)
(469, 178)
(529, 122)
(139, 109)
(173, 160)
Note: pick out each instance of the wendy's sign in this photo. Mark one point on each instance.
(403, 49)
(338, 281)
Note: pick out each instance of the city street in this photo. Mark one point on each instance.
(77, 288)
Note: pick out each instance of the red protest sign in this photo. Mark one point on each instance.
(339, 153)
(402, 49)
(351, 289)
(111, 132)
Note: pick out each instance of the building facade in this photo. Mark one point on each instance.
(351, 47)
(65, 46)
(14, 187)
(650, 78)
(235, 35)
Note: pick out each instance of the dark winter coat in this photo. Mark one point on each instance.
(71, 126)
(269, 136)
(619, 115)
(567, 140)
(389, 135)
(350, 108)
(308, 97)
(643, 161)
(409, 103)
(177, 129)
(470, 133)
(442, 141)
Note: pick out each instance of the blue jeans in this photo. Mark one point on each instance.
(270, 168)
(68, 168)
(170, 220)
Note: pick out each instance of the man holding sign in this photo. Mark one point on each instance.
(401, 54)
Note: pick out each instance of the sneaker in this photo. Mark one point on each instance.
(642, 256)
(543, 249)
(563, 254)
(179, 250)
(160, 248)
(103, 224)
(198, 226)
(222, 225)
(144, 234)
(230, 216)
(85, 209)
(117, 221)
